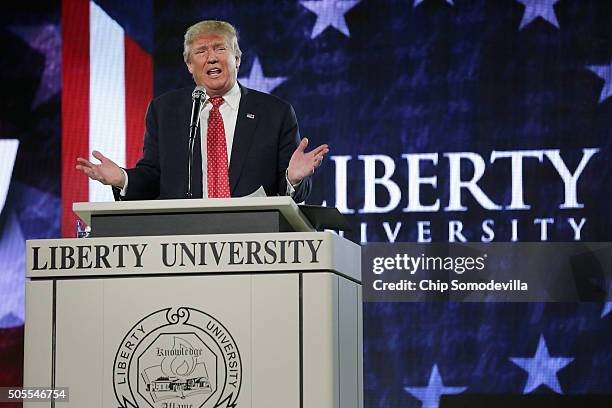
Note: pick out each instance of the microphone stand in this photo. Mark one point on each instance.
(194, 125)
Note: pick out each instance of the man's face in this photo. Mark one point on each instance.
(213, 64)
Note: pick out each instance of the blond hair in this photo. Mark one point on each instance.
(211, 27)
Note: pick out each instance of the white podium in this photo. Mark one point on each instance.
(258, 319)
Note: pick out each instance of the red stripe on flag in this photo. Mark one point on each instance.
(75, 107)
(138, 94)
(11, 361)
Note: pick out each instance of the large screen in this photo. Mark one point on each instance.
(447, 120)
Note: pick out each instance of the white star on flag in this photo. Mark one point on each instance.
(330, 13)
(538, 8)
(258, 81)
(542, 368)
(12, 278)
(605, 73)
(45, 39)
(607, 309)
(417, 2)
(430, 395)
(8, 154)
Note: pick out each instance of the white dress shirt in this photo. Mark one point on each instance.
(229, 113)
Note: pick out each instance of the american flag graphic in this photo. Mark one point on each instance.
(107, 79)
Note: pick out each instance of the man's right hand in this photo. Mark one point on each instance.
(107, 172)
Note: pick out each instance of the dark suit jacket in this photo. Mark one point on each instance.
(265, 137)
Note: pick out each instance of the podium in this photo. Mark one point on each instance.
(196, 303)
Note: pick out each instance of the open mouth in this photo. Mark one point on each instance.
(213, 73)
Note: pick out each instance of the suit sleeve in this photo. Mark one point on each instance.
(144, 178)
(289, 141)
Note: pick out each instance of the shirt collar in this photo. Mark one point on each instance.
(232, 97)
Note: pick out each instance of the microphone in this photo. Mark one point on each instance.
(198, 96)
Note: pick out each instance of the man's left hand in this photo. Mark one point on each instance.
(304, 164)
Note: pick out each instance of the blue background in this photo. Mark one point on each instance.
(441, 76)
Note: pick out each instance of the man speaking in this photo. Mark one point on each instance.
(219, 140)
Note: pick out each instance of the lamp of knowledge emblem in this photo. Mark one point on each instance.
(177, 358)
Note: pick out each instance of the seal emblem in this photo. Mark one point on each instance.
(177, 358)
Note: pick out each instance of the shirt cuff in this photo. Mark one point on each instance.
(123, 191)
(290, 187)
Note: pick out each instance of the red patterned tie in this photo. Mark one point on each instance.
(216, 150)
